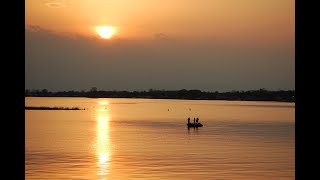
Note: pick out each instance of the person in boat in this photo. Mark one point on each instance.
(194, 120)
(188, 120)
(196, 123)
(197, 120)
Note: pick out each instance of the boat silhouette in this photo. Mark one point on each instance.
(194, 125)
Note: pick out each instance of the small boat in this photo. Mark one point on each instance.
(194, 125)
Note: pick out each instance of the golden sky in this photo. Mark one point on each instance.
(230, 20)
(199, 44)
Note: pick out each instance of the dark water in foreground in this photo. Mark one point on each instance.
(148, 139)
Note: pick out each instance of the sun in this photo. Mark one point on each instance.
(105, 32)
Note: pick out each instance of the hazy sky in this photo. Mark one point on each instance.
(211, 45)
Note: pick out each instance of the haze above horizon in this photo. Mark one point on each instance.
(220, 45)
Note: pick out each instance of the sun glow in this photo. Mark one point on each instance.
(103, 102)
(105, 32)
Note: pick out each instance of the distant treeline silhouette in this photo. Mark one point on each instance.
(251, 95)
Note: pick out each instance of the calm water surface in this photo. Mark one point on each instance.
(120, 139)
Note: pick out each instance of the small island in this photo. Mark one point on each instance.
(52, 108)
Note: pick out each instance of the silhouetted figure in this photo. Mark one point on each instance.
(188, 120)
(197, 120)
(194, 120)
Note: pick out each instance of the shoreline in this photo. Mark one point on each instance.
(288, 101)
(250, 95)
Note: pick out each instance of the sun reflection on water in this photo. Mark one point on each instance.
(103, 149)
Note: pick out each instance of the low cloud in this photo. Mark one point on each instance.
(36, 28)
(161, 36)
(57, 3)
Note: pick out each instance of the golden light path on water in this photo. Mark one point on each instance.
(103, 149)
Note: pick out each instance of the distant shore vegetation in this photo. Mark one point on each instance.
(250, 95)
(52, 108)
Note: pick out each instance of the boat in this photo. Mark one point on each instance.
(194, 125)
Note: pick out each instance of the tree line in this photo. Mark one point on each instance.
(250, 95)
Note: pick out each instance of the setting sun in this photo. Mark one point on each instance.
(105, 32)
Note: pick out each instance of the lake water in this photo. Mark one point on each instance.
(122, 139)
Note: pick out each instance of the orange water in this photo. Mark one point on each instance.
(148, 139)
